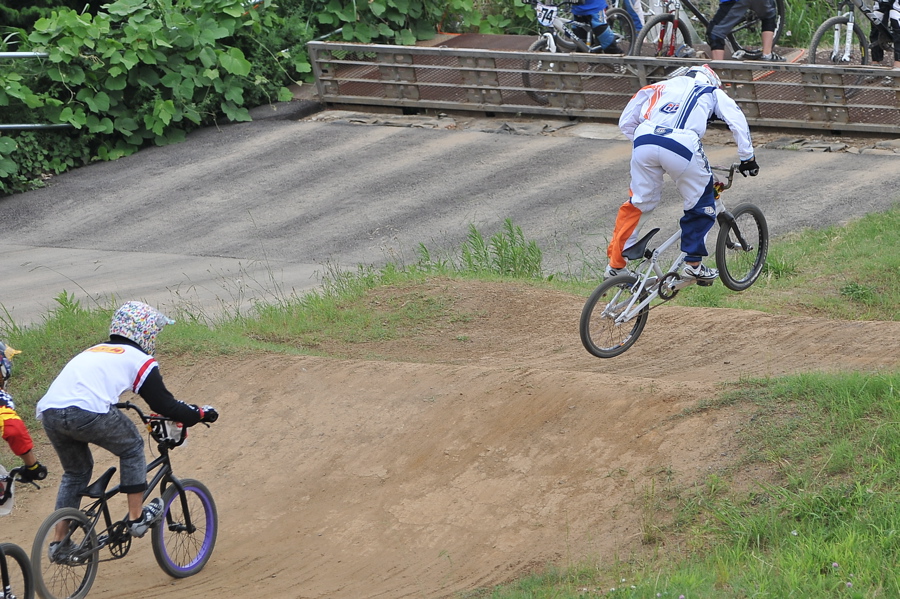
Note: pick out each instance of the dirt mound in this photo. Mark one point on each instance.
(465, 455)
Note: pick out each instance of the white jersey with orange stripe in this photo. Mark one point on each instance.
(94, 379)
(680, 103)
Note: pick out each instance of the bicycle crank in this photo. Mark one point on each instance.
(668, 286)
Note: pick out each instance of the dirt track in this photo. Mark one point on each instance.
(465, 456)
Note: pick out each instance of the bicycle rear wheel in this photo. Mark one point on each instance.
(72, 576)
(185, 538)
(747, 34)
(828, 43)
(661, 38)
(741, 264)
(622, 26)
(600, 334)
(18, 568)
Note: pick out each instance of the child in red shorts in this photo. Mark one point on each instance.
(12, 428)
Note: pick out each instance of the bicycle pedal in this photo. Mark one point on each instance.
(704, 283)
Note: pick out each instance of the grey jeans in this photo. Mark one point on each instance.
(71, 430)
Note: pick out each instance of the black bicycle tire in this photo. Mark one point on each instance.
(667, 18)
(827, 28)
(584, 324)
(620, 16)
(14, 553)
(726, 259)
(779, 28)
(38, 551)
(539, 45)
(210, 526)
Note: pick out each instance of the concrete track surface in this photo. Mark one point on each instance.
(259, 210)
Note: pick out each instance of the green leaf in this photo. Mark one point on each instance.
(377, 8)
(235, 63)
(7, 167)
(126, 125)
(235, 113)
(235, 94)
(406, 38)
(7, 145)
(124, 8)
(207, 57)
(285, 95)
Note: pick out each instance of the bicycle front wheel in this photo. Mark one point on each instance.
(185, 538)
(741, 248)
(533, 72)
(829, 44)
(18, 569)
(71, 573)
(600, 334)
(661, 38)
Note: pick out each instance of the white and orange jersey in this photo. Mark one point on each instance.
(681, 104)
(94, 379)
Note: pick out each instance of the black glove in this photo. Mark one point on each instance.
(209, 414)
(749, 167)
(36, 471)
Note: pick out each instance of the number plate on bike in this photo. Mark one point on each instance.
(546, 14)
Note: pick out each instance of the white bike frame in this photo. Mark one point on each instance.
(650, 274)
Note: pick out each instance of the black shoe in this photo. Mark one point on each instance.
(60, 552)
(613, 48)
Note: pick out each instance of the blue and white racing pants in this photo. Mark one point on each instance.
(678, 152)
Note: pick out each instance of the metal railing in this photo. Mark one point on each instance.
(779, 95)
(28, 126)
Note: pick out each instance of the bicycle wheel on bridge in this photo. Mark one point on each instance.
(18, 571)
(747, 34)
(69, 574)
(742, 247)
(184, 539)
(622, 26)
(600, 334)
(828, 45)
(660, 37)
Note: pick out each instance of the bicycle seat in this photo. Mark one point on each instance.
(97, 489)
(639, 249)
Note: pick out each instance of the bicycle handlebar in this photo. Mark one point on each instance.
(727, 169)
(565, 3)
(12, 477)
(156, 426)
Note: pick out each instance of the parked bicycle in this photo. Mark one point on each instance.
(840, 40)
(669, 35)
(616, 312)
(559, 35)
(16, 575)
(182, 541)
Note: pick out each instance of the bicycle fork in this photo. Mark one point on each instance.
(846, 43)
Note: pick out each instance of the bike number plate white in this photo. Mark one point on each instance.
(546, 14)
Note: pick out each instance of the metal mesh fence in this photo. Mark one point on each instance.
(589, 85)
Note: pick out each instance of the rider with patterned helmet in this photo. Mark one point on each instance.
(79, 409)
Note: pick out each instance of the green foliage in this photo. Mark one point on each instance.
(26, 157)
(140, 73)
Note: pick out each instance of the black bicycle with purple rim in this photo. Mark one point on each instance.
(183, 540)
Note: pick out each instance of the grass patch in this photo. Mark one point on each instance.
(848, 273)
(826, 525)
